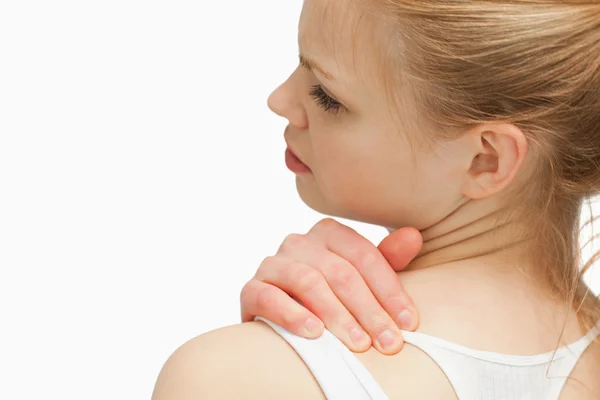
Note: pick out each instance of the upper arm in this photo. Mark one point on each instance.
(245, 361)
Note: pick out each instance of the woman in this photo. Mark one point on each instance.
(476, 123)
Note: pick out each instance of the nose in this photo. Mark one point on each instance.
(285, 102)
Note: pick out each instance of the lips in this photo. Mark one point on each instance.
(294, 163)
(292, 160)
(296, 155)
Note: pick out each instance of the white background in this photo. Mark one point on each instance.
(141, 183)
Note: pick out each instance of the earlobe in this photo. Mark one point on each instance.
(499, 150)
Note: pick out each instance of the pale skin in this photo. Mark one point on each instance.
(343, 279)
(454, 194)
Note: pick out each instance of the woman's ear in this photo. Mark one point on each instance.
(498, 152)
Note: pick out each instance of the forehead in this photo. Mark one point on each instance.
(345, 37)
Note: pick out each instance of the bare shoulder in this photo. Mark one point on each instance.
(251, 361)
(408, 375)
(244, 361)
(583, 384)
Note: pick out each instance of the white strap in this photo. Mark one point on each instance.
(565, 367)
(339, 373)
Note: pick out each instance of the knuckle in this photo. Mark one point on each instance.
(327, 224)
(379, 321)
(395, 301)
(341, 275)
(306, 279)
(246, 291)
(378, 328)
(366, 258)
(267, 262)
(266, 298)
(292, 240)
(349, 323)
(292, 318)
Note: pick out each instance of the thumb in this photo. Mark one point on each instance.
(401, 246)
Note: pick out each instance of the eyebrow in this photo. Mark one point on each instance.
(312, 65)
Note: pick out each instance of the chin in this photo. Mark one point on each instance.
(321, 204)
(314, 198)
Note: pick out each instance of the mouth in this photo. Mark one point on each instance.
(294, 163)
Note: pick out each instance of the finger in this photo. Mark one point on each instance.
(348, 286)
(309, 286)
(400, 247)
(268, 301)
(372, 266)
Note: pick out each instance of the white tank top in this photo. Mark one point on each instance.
(473, 374)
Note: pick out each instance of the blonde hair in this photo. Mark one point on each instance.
(533, 63)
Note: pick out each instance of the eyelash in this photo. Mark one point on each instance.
(326, 102)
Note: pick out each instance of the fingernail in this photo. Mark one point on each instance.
(312, 326)
(358, 336)
(387, 339)
(405, 320)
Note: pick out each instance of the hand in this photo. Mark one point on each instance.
(341, 279)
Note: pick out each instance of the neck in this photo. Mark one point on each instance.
(479, 232)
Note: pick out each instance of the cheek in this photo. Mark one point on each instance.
(362, 177)
(435, 192)
(382, 185)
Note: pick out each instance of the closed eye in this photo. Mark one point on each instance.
(325, 101)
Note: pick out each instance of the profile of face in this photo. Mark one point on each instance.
(364, 164)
